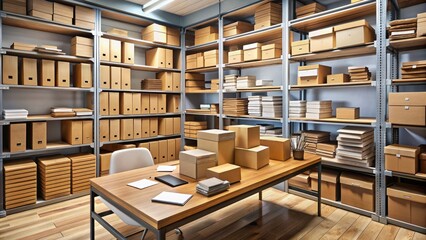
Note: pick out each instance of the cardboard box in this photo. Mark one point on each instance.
(137, 128)
(279, 148)
(15, 7)
(104, 130)
(421, 24)
(169, 58)
(162, 103)
(104, 49)
(166, 80)
(40, 5)
(338, 78)
(330, 186)
(84, 24)
(28, 72)
(155, 33)
(407, 108)
(171, 150)
(63, 74)
(40, 14)
(407, 203)
(237, 28)
(162, 151)
(153, 127)
(105, 77)
(218, 141)
(46, 73)
(211, 58)
(37, 138)
(254, 158)
(87, 131)
(206, 38)
(312, 74)
(300, 47)
(246, 136)
(347, 112)
(165, 126)
(126, 78)
(115, 77)
(176, 125)
(10, 70)
(82, 47)
(154, 148)
(236, 56)
(407, 99)
(252, 52)
(126, 129)
(194, 163)
(128, 53)
(322, 39)
(136, 103)
(16, 137)
(62, 19)
(191, 61)
(228, 172)
(114, 129)
(156, 57)
(357, 190)
(83, 77)
(72, 132)
(114, 103)
(271, 51)
(354, 33)
(63, 10)
(145, 103)
(84, 14)
(401, 158)
(200, 61)
(145, 128)
(173, 36)
(126, 103)
(115, 51)
(176, 82)
(54, 177)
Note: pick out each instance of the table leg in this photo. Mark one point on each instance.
(260, 195)
(92, 210)
(161, 234)
(319, 189)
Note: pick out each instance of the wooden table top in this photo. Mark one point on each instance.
(160, 215)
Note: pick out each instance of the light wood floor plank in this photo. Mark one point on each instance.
(340, 228)
(356, 229)
(325, 225)
(419, 236)
(371, 231)
(404, 234)
(388, 232)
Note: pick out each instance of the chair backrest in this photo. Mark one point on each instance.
(129, 159)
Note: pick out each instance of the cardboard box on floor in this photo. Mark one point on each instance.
(194, 163)
(218, 141)
(401, 158)
(229, 172)
(279, 148)
(330, 186)
(357, 190)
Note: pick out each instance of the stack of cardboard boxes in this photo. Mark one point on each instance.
(83, 168)
(220, 142)
(267, 15)
(155, 33)
(205, 59)
(402, 29)
(407, 108)
(205, 35)
(235, 106)
(84, 17)
(63, 13)
(41, 9)
(82, 47)
(54, 176)
(15, 6)
(414, 70)
(237, 28)
(194, 81)
(309, 9)
(20, 180)
(76, 132)
(192, 127)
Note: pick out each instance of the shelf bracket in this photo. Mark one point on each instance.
(388, 82)
(3, 123)
(92, 145)
(5, 155)
(388, 173)
(93, 90)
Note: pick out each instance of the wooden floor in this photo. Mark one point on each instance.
(278, 216)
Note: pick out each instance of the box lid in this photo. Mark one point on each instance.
(216, 135)
(236, 52)
(251, 46)
(224, 168)
(408, 192)
(396, 149)
(357, 180)
(257, 149)
(197, 155)
(308, 67)
(155, 27)
(211, 52)
(238, 24)
(82, 41)
(271, 46)
(299, 43)
(407, 99)
(53, 160)
(321, 32)
(354, 24)
(326, 175)
(274, 139)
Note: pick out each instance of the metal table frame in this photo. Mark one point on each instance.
(161, 233)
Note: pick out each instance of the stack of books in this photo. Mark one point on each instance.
(62, 112)
(264, 82)
(359, 74)
(255, 106)
(297, 109)
(327, 150)
(212, 186)
(403, 28)
(15, 114)
(151, 84)
(414, 70)
(355, 146)
(312, 138)
(318, 109)
(264, 127)
(272, 106)
(235, 106)
(83, 111)
(246, 82)
(230, 83)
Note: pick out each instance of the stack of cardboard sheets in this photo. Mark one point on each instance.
(359, 73)
(55, 176)
(313, 137)
(20, 179)
(403, 28)
(414, 70)
(83, 168)
(194, 81)
(356, 146)
(297, 109)
(318, 109)
(151, 84)
(192, 127)
(235, 106)
(246, 82)
(327, 150)
(267, 15)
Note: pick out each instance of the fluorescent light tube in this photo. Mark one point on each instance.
(154, 5)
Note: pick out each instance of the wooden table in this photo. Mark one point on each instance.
(161, 218)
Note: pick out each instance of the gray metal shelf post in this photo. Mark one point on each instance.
(96, 85)
(2, 187)
(182, 86)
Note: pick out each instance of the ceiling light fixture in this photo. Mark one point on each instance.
(154, 5)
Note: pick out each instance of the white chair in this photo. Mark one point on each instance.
(125, 160)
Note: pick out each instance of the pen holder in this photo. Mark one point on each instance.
(298, 154)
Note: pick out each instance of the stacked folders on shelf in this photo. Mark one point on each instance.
(212, 186)
(414, 70)
(403, 28)
(356, 146)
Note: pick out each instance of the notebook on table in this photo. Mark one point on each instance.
(171, 180)
(172, 198)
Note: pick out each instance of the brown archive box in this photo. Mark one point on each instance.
(354, 33)
(228, 172)
(330, 187)
(153, 127)
(137, 128)
(37, 138)
(62, 19)
(20, 180)
(171, 150)
(357, 190)
(145, 128)
(46, 73)
(72, 132)
(155, 33)
(165, 126)
(104, 49)
(153, 103)
(83, 77)
(115, 77)
(162, 103)
(236, 56)
(84, 14)
(105, 77)
(63, 74)
(16, 137)
(54, 176)
(279, 148)
(126, 78)
(271, 51)
(312, 74)
(218, 141)
(19, 7)
(407, 203)
(246, 136)
(40, 14)
(194, 163)
(114, 103)
(143, 145)
(300, 47)
(87, 131)
(153, 148)
(128, 53)
(114, 50)
(162, 151)
(10, 70)
(105, 159)
(28, 72)
(173, 36)
(322, 39)
(114, 130)
(126, 103)
(104, 130)
(145, 103)
(166, 80)
(237, 28)
(407, 108)
(104, 103)
(254, 158)
(40, 5)
(156, 57)
(82, 47)
(401, 158)
(136, 103)
(126, 129)
(347, 112)
(252, 52)
(63, 10)
(338, 78)
(176, 125)
(173, 102)
(421, 24)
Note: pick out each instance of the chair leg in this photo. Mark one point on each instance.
(144, 234)
(180, 233)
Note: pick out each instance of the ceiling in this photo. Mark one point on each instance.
(182, 7)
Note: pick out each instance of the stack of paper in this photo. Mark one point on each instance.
(414, 70)
(276, 131)
(83, 111)
(312, 138)
(327, 149)
(255, 106)
(15, 114)
(235, 106)
(246, 82)
(403, 28)
(356, 146)
(359, 73)
(264, 127)
(318, 109)
(264, 82)
(151, 84)
(212, 186)
(230, 83)
(297, 109)
(272, 106)
(62, 112)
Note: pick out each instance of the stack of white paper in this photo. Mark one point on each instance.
(15, 114)
(297, 109)
(318, 109)
(246, 82)
(356, 146)
(230, 83)
(264, 82)
(255, 106)
(265, 127)
(272, 106)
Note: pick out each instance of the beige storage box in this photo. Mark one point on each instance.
(228, 172)
(237, 28)
(211, 58)
(312, 74)
(37, 135)
(407, 203)
(246, 136)
(83, 77)
(300, 47)
(16, 137)
(236, 56)
(194, 163)
(330, 186)
(82, 47)
(407, 108)
(322, 40)
(10, 70)
(254, 158)
(205, 35)
(271, 51)
(20, 183)
(252, 52)
(155, 33)
(401, 158)
(218, 141)
(357, 190)
(302, 181)
(279, 148)
(173, 36)
(353, 34)
(191, 61)
(338, 78)
(72, 132)
(84, 17)
(14, 6)
(421, 24)
(347, 112)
